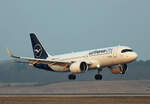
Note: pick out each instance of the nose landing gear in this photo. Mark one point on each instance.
(98, 76)
(124, 68)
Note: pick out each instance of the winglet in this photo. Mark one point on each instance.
(10, 54)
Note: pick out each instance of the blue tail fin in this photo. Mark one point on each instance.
(38, 50)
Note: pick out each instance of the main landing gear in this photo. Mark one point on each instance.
(98, 76)
(72, 77)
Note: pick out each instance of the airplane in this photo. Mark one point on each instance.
(115, 58)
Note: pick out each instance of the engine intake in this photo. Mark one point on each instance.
(78, 67)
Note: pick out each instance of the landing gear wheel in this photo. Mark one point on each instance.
(124, 68)
(72, 77)
(98, 77)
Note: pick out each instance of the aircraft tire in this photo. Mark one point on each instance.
(98, 77)
(72, 77)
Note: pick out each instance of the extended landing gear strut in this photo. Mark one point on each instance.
(124, 68)
(72, 77)
(98, 76)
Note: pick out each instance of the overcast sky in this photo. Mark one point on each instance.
(74, 25)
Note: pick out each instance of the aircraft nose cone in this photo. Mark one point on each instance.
(135, 56)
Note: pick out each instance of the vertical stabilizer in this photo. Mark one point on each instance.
(38, 50)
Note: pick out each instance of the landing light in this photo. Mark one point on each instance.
(98, 66)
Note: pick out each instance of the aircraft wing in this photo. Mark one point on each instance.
(38, 61)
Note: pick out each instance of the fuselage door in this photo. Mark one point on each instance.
(115, 52)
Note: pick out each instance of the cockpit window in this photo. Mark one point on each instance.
(126, 50)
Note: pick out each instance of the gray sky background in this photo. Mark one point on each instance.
(74, 25)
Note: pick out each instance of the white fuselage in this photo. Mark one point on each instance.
(116, 58)
(97, 58)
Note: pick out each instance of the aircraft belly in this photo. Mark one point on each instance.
(58, 68)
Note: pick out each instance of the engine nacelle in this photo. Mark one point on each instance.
(116, 70)
(78, 67)
(121, 69)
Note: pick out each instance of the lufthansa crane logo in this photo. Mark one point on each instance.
(38, 50)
